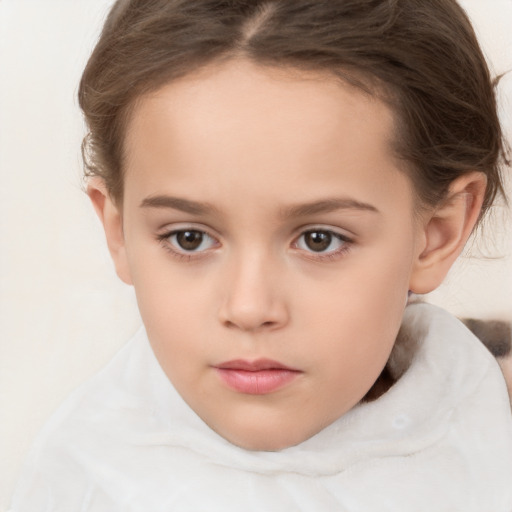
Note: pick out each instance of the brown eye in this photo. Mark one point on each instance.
(318, 241)
(189, 240)
(322, 242)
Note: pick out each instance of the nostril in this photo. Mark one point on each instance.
(249, 326)
(229, 324)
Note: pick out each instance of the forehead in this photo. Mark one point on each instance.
(238, 93)
(241, 121)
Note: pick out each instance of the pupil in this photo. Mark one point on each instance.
(318, 240)
(189, 240)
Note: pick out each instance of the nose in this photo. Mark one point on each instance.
(253, 298)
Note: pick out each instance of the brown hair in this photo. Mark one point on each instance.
(422, 56)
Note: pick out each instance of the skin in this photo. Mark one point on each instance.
(506, 367)
(261, 156)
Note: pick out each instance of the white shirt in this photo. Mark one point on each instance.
(439, 440)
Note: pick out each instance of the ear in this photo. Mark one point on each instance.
(446, 231)
(112, 220)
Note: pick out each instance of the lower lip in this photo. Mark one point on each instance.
(259, 382)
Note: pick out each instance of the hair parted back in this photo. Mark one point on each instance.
(422, 56)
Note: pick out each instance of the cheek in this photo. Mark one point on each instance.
(359, 312)
(175, 321)
(171, 305)
(170, 300)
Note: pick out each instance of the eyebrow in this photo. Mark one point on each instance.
(300, 210)
(178, 203)
(326, 206)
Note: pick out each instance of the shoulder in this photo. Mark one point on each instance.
(447, 361)
(458, 385)
(68, 453)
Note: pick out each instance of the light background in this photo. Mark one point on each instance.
(63, 312)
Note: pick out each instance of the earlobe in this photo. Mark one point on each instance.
(446, 231)
(111, 218)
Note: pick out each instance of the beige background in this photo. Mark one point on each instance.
(63, 313)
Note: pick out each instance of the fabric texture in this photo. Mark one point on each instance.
(439, 440)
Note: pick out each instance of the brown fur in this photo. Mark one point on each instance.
(494, 334)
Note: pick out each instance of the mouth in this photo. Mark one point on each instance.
(258, 377)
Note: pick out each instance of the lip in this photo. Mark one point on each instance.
(258, 377)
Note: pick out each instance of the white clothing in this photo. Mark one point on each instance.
(439, 440)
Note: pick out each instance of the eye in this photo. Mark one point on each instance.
(189, 240)
(322, 241)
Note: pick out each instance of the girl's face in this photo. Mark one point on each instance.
(270, 238)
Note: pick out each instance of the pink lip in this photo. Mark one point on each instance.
(256, 377)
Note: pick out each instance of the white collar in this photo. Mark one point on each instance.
(447, 367)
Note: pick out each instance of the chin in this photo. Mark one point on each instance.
(263, 444)
(266, 439)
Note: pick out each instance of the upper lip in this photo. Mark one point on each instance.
(254, 366)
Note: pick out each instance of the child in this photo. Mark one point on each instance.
(275, 178)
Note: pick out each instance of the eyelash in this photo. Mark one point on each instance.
(183, 255)
(163, 238)
(346, 246)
